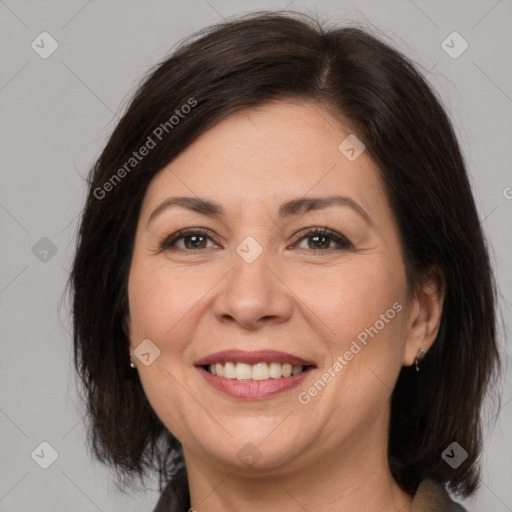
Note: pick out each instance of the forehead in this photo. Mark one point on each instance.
(272, 152)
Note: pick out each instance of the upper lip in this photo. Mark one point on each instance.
(253, 357)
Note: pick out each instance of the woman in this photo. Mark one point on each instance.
(282, 294)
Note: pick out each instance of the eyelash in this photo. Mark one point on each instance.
(343, 242)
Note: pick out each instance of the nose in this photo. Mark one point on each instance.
(253, 295)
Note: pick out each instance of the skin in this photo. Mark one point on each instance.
(331, 453)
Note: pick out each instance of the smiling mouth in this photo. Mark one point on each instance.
(257, 372)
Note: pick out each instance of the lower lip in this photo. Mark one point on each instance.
(253, 389)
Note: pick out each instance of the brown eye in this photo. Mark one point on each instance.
(192, 239)
(321, 239)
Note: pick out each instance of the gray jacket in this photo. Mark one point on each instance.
(430, 497)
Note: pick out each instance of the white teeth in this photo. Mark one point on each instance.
(243, 371)
(259, 371)
(229, 371)
(276, 370)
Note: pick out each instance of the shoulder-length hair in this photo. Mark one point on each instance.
(246, 62)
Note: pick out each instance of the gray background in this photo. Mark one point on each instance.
(56, 114)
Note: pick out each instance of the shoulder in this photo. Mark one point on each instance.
(432, 497)
(175, 497)
(166, 501)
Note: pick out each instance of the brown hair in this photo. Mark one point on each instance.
(246, 62)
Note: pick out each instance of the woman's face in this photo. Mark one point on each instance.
(247, 284)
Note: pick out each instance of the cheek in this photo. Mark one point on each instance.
(351, 298)
(364, 310)
(163, 301)
(162, 310)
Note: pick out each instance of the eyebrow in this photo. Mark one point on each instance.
(289, 208)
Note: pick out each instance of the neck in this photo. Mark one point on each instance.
(356, 477)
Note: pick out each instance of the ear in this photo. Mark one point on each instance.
(425, 314)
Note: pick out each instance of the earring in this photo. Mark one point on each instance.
(132, 364)
(419, 357)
